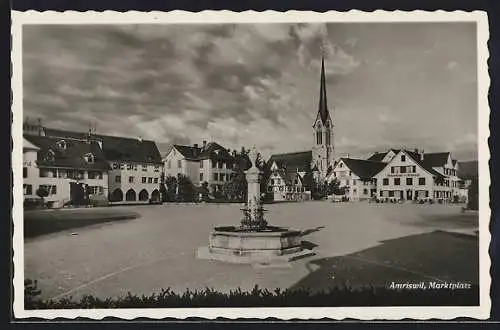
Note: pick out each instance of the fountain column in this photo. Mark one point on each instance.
(254, 218)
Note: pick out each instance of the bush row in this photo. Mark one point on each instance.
(335, 297)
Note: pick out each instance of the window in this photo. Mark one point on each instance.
(319, 137)
(135, 167)
(155, 180)
(391, 193)
(47, 173)
(403, 158)
(122, 166)
(385, 182)
(216, 177)
(157, 168)
(353, 182)
(51, 189)
(296, 181)
(201, 177)
(130, 179)
(219, 165)
(62, 144)
(144, 168)
(397, 181)
(118, 179)
(392, 169)
(143, 179)
(328, 137)
(169, 164)
(414, 169)
(179, 163)
(201, 163)
(341, 164)
(25, 172)
(272, 182)
(116, 166)
(381, 193)
(365, 191)
(27, 189)
(426, 193)
(403, 169)
(129, 167)
(150, 180)
(421, 181)
(213, 163)
(409, 181)
(347, 182)
(95, 175)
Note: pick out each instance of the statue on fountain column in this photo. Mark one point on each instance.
(253, 211)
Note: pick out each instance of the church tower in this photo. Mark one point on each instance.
(323, 149)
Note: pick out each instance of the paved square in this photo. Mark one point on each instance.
(355, 244)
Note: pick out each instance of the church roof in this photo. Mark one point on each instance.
(365, 169)
(323, 104)
(436, 159)
(292, 162)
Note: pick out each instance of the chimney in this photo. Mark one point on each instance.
(347, 156)
(415, 150)
(204, 144)
(195, 145)
(422, 154)
(140, 139)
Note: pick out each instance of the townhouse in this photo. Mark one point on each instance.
(287, 175)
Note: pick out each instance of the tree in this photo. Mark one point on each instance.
(186, 191)
(335, 189)
(42, 192)
(204, 191)
(171, 188)
(473, 195)
(163, 189)
(236, 189)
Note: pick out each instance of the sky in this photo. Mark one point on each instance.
(389, 85)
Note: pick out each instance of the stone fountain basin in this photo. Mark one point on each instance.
(268, 245)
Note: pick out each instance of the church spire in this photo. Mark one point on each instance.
(323, 105)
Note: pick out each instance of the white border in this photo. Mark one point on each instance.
(362, 313)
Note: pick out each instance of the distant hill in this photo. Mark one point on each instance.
(468, 169)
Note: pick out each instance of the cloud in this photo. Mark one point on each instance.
(451, 65)
(246, 84)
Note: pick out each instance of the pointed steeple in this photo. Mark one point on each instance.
(323, 104)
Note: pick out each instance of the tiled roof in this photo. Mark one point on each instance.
(365, 169)
(212, 150)
(117, 148)
(379, 156)
(436, 159)
(70, 157)
(292, 162)
(468, 170)
(416, 157)
(323, 104)
(188, 152)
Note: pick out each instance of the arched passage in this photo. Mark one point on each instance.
(130, 196)
(116, 195)
(155, 195)
(143, 195)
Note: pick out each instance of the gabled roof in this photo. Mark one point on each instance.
(213, 150)
(117, 148)
(364, 169)
(188, 152)
(27, 145)
(292, 162)
(426, 166)
(70, 157)
(289, 177)
(436, 159)
(468, 170)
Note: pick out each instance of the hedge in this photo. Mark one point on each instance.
(335, 297)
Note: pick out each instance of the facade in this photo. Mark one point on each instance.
(413, 175)
(130, 169)
(286, 180)
(58, 164)
(210, 163)
(356, 176)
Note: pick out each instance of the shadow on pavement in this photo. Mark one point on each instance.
(430, 257)
(310, 231)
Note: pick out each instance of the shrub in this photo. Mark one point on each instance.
(33, 203)
(257, 297)
(98, 200)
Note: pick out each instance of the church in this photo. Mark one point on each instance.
(287, 171)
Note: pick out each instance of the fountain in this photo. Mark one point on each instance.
(253, 241)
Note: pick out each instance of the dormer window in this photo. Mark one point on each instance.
(89, 158)
(61, 144)
(49, 157)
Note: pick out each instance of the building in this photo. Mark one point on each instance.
(131, 167)
(357, 177)
(58, 165)
(414, 175)
(320, 160)
(210, 163)
(287, 173)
